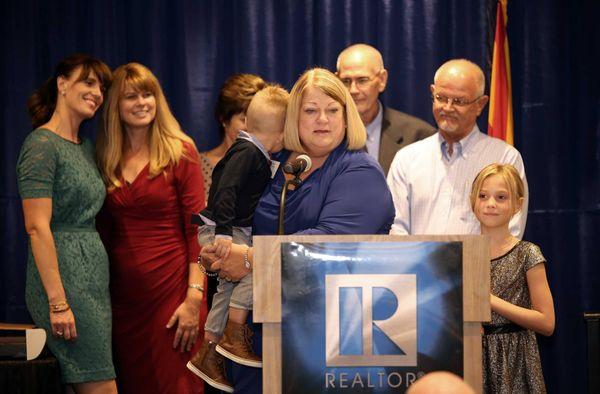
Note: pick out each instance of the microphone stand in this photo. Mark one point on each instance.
(296, 182)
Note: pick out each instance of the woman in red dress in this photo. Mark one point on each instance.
(154, 183)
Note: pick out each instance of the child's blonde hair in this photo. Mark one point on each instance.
(511, 177)
(270, 101)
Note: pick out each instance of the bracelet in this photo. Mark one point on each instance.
(246, 261)
(196, 286)
(58, 305)
(202, 269)
(66, 308)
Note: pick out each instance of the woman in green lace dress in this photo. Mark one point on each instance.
(61, 189)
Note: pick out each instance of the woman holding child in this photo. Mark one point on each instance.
(154, 181)
(323, 123)
(238, 181)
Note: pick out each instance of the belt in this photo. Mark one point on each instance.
(69, 228)
(502, 329)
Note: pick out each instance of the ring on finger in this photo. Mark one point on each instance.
(59, 333)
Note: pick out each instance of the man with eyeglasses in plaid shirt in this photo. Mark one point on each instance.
(431, 179)
(360, 68)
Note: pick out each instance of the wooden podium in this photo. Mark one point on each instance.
(268, 296)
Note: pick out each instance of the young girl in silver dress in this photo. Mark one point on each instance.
(520, 296)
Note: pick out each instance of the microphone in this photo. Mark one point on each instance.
(298, 166)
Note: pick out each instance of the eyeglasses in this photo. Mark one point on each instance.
(443, 100)
(360, 82)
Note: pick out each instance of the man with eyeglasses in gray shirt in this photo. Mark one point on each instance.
(360, 68)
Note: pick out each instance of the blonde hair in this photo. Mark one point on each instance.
(328, 83)
(166, 139)
(270, 101)
(511, 177)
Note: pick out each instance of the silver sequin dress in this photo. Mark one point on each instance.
(511, 361)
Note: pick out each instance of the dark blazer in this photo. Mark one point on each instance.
(398, 130)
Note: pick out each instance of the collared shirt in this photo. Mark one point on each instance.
(250, 137)
(374, 133)
(431, 188)
(457, 147)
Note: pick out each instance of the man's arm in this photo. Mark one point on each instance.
(399, 187)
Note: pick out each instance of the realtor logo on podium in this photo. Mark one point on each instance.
(400, 327)
(369, 314)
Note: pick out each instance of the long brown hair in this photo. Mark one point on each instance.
(42, 103)
(165, 135)
(235, 96)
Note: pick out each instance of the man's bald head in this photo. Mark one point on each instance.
(465, 70)
(360, 68)
(457, 89)
(440, 382)
(363, 53)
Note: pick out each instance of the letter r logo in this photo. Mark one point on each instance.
(400, 328)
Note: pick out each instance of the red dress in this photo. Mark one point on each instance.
(151, 242)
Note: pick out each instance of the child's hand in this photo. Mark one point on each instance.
(223, 247)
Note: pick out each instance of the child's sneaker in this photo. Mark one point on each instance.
(208, 365)
(236, 345)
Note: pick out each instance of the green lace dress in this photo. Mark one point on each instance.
(52, 167)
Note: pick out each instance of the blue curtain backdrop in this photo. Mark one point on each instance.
(193, 46)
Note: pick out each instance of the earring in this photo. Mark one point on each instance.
(63, 92)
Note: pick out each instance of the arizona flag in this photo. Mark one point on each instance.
(500, 120)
